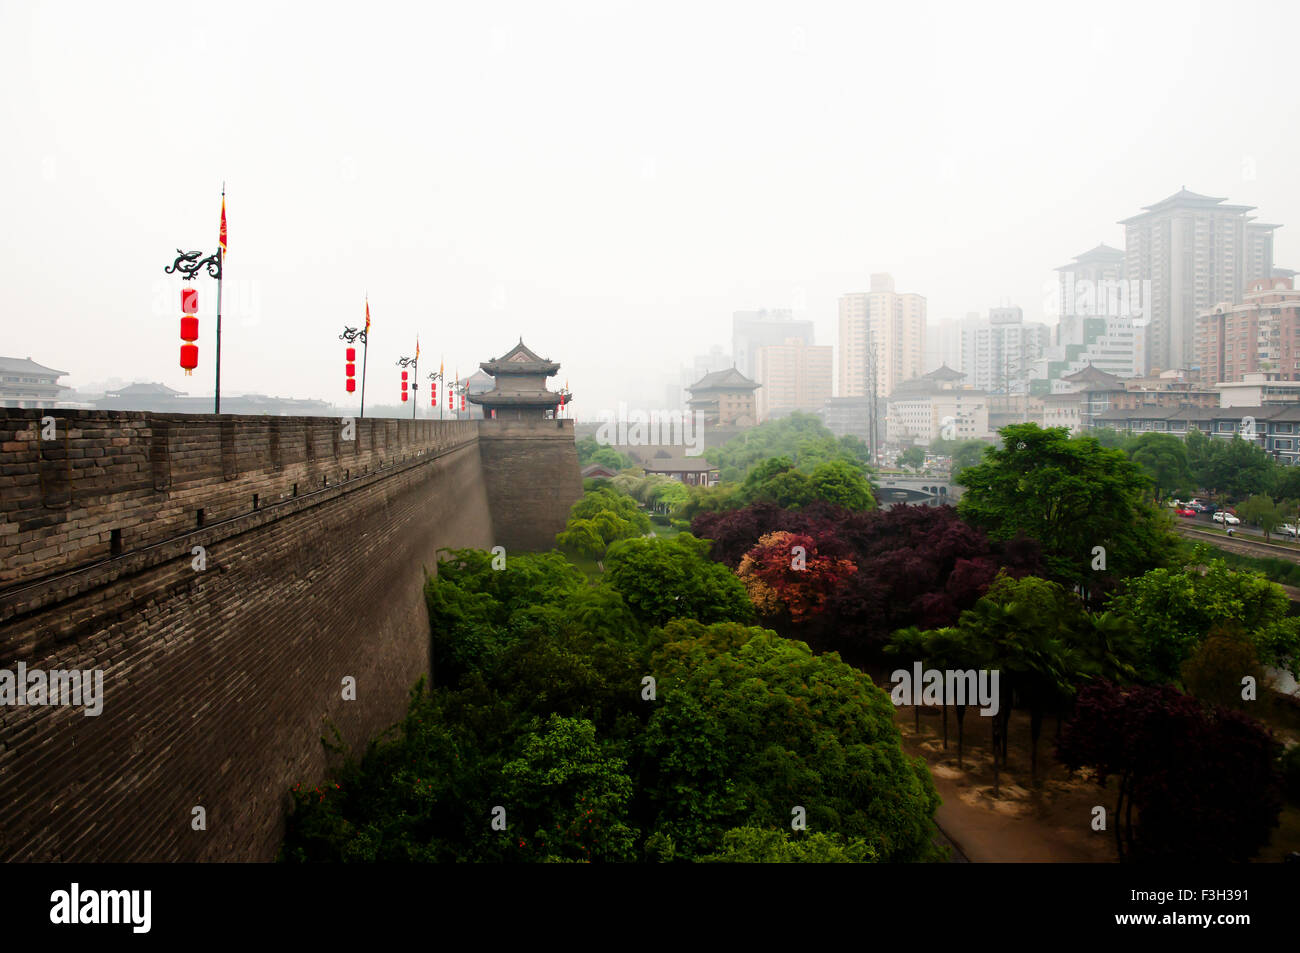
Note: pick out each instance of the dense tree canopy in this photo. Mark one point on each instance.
(540, 720)
(800, 437)
(1172, 611)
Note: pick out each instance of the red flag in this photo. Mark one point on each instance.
(367, 317)
(221, 239)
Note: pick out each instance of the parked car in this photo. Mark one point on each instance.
(1226, 518)
(1286, 529)
(1185, 511)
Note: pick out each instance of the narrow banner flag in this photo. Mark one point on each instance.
(221, 239)
(367, 317)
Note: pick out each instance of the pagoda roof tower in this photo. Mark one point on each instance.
(520, 385)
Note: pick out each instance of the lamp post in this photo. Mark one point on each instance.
(352, 335)
(414, 364)
(188, 265)
(456, 392)
(434, 377)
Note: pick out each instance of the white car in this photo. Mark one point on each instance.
(1226, 518)
(1286, 529)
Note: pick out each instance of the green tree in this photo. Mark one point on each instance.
(1260, 510)
(569, 793)
(1172, 611)
(663, 579)
(748, 725)
(967, 454)
(599, 518)
(912, 457)
(1164, 457)
(843, 484)
(1236, 467)
(756, 845)
(1072, 495)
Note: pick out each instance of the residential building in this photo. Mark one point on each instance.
(1196, 252)
(1000, 354)
(1088, 395)
(1261, 335)
(793, 376)
(1275, 429)
(892, 326)
(935, 405)
(1257, 390)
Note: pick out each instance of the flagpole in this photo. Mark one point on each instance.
(365, 353)
(220, 271)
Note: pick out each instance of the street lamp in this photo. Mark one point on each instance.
(352, 335)
(434, 377)
(414, 364)
(188, 265)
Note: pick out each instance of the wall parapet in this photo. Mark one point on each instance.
(113, 482)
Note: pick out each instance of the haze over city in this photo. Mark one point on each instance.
(611, 185)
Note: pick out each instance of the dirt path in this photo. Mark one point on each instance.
(1047, 824)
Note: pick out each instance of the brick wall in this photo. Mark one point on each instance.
(218, 684)
(530, 467)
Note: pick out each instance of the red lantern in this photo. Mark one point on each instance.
(405, 395)
(189, 330)
(352, 385)
(403, 375)
(433, 394)
(351, 370)
(462, 401)
(352, 354)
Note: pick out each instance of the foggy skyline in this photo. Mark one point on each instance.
(610, 184)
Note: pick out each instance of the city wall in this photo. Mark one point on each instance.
(227, 574)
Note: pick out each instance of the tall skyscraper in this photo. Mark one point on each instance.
(1196, 252)
(793, 376)
(751, 330)
(894, 324)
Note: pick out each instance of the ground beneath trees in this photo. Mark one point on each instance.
(1022, 823)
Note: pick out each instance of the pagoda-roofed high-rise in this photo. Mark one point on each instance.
(520, 392)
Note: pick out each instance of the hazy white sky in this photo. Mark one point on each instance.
(609, 180)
